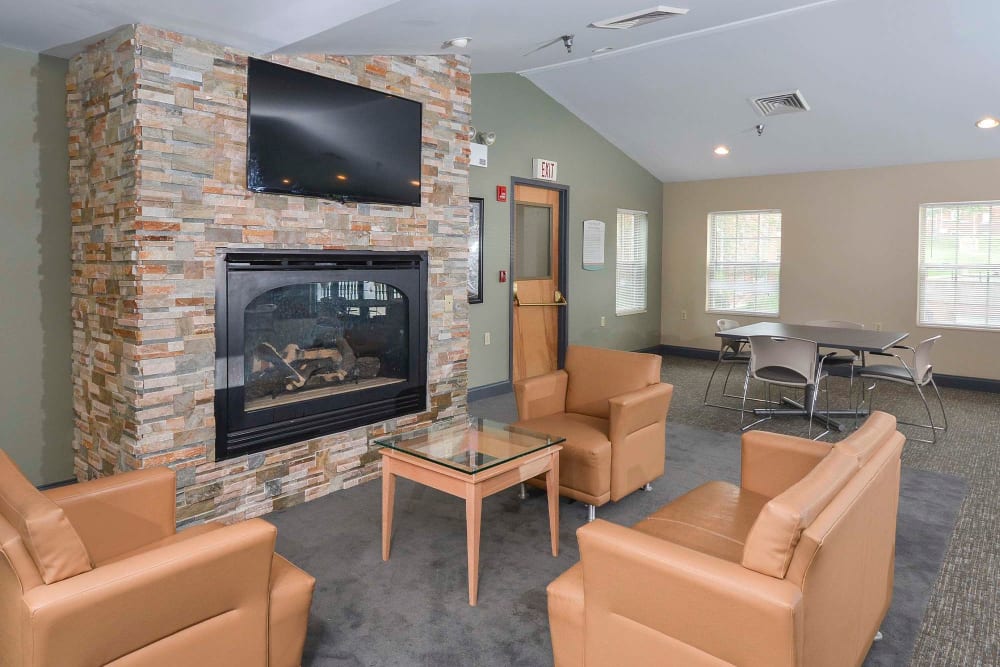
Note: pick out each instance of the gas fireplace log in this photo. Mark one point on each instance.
(335, 376)
(267, 352)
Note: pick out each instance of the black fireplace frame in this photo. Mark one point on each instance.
(239, 432)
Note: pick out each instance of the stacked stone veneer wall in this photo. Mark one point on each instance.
(157, 176)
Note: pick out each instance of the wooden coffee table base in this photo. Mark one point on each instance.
(473, 488)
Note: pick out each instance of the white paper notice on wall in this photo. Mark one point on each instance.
(593, 245)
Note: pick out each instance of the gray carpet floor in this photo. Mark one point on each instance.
(413, 610)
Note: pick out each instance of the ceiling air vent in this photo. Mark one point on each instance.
(779, 103)
(641, 17)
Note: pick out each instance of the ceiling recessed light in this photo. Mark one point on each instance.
(458, 43)
(987, 123)
(604, 49)
(721, 150)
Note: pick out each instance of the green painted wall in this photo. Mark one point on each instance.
(601, 179)
(36, 417)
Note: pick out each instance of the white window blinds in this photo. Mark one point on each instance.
(959, 265)
(744, 262)
(630, 269)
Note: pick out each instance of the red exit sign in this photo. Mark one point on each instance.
(544, 169)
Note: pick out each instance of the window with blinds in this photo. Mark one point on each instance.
(744, 262)
(630, 269)
(959, 265)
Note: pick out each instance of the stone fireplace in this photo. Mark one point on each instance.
(159, 201)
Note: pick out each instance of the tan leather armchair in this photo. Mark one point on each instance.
(612, 409)
(94, 573)
(793, 568)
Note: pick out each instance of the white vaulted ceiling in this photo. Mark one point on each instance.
(889, 81)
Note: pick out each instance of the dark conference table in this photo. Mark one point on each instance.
(863, 340)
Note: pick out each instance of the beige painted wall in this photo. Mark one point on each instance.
(849, 250)
(36, 418)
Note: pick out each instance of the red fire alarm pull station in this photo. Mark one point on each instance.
(501, 193)
(503, 276)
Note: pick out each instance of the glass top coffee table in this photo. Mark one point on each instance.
(471, 458)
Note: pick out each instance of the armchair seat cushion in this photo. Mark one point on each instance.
(714, 519)
(585, 460)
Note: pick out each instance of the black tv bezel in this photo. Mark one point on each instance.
(326, 196)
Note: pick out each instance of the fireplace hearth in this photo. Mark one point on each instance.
(311, 343)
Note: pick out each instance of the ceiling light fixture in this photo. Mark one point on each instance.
(604, 49)
(641, 17)
(458, 43)
(987, 123)
(721, 150)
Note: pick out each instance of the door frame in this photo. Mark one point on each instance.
(563, 241)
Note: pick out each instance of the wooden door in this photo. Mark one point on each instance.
(535, 249)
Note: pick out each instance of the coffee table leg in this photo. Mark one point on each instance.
(473, 519)
(552, 490)
(388, 501)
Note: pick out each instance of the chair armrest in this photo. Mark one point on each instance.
(219, 578)
(647, 596)
(117, 514)
(638, 409)
(541, 395)
(772, 462)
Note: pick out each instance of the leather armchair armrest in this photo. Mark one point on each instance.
(772, 462)
(219, 578)
(638, 409)
(117, 514)
(541, 395)
(645, 596)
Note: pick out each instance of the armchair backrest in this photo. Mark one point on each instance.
(597, 374)
(33, 524)
(772, 544)
(844, 560)
(772, 540)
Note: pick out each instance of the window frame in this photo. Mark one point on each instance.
(644, 216)
(921, 210)
(708, 263)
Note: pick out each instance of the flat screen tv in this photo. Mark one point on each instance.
(313, 136)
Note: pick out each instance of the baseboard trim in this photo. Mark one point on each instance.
(490, 390)
(965, 382)
(952, 381)
(55, 485)
(690, 352)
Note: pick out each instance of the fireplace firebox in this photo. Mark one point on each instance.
(312, 343)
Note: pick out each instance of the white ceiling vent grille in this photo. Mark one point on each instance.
(779, 103)
(641, 17)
